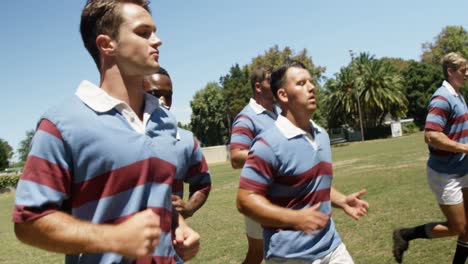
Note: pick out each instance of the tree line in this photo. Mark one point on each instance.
(381, 89)
(378, 88)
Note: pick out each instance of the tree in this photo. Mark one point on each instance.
(397, 63)
(451, 39)
(341, 99)
(183, 126)
(23, 150)
(6, 152)
(381, 93)
(208, 119)
(367, 83)
(236, 91)
(274, 57)
(421, 81)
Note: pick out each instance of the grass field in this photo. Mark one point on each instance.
(392, 171)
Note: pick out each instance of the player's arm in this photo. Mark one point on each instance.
(241, 139)
(199, 179)
(442, 142)
(437, 119)
(263, 211)
(187, 209)
(63, 233)
(238, 158)
(351, 204)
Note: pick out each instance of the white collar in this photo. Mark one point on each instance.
(289, 130)
(450, 88)
(258, 109)
(100, 101)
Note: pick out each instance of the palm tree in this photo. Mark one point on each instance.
(381, 93)
(341, 98)
(374, 84)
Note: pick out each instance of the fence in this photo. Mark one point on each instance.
(216, 154)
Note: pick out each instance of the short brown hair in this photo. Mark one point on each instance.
(278, 76)
(103, 17)
(452, 60)
(259, 74)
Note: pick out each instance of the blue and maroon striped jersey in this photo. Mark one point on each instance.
(250, 122)
(96, 167)
(294, 172)
(448, 113)
(191, 166)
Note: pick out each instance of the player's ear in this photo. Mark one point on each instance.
(258, 87)
(105, 45)
(282, 95)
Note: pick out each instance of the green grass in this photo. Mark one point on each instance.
(392, 171)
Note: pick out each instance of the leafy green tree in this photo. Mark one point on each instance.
(451, 39)
(373, 84)
(381, 93)
(421, 81)
(6, 152)
(184, 126)
(208, 119)
(274, 57)
(397, 63)
(236, 91)
(341, 99)
(23, 150)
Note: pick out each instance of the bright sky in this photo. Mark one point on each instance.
(43, 59)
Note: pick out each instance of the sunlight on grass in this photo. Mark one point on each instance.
(392, 171)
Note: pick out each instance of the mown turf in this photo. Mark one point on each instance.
(392, 171)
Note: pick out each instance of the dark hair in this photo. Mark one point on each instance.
(278, 76)
(258, 75)
(103, 17)
(162, 71)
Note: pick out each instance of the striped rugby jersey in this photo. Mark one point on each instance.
(95, 166)
(191, 166)
(250, 122)
(295, 172)
(448, 113)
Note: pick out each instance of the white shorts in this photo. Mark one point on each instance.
(447, 188)
(338, 256)
(253, 229)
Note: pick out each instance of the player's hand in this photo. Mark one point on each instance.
(310, 219)
(354, 206)
(138, 236)
(186, 242)
(181, 206)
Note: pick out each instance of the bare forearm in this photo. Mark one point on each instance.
(263, 211)
(238, 158)
(62, 233)
(442, 142)
(195, 202)
(337, 198)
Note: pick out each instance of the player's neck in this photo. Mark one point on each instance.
(128, 89)
(266, 103)
(301, 120)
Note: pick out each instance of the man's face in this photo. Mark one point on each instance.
(265, 87)
(137, 45)
(300, 90)
(163, 86)
(458, 77)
